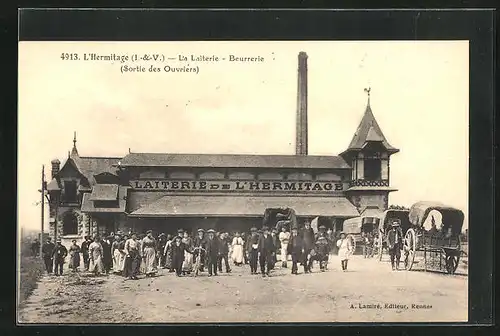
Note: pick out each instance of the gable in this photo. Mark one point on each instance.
(69, 170)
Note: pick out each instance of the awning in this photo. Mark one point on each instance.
(89, 205)
(104, 192)
(229, 206)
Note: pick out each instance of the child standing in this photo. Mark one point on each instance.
(345, 250)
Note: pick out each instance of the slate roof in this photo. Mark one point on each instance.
(104, 192)
(88, 204)
(369, 130)
(90, 166)
(233, 161)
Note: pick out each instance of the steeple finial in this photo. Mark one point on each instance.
(74, 151)
(367, 90)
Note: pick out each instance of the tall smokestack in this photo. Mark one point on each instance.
(301, 132)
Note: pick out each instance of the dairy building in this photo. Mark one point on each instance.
(167, 191)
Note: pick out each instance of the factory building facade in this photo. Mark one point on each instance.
(167, 191)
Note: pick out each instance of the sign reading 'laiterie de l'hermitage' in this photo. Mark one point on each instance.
(227, 186)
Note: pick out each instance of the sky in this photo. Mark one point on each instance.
(419, 96)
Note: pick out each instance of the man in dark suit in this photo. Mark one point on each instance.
(223, 253)
(394, 243)
(253, 250)
(85, 252)
(266, 251)
(295, 249)
(47, 254)
(213, 248)
(308, 241)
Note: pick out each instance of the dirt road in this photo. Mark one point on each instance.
(368, 292)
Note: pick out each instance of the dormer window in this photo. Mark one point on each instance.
(70, 192)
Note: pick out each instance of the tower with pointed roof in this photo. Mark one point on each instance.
(369, 155)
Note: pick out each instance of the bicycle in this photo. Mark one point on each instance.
(197, 262)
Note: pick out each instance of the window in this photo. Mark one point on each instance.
(70, 192)
(373, 169)
(70, 223)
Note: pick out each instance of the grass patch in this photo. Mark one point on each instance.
(31, 269)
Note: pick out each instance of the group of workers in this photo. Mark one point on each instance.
(129, 254)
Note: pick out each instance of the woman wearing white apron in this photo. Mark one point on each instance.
(237, 254)
(187, 264)
(345, 250)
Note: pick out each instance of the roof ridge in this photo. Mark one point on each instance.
(101, 157)
(230, 154)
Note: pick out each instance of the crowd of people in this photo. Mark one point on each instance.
(130, 254)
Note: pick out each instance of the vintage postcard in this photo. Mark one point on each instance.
(243, 181)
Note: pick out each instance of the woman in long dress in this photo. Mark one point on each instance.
(168, 254)
(74, 252)
(117, 255)
(187, 264)
(95, 253)
(149, 253)
(132, 259)
(237, 247)
(345, 250)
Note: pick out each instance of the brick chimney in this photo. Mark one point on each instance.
(301, 125)
(55, 167)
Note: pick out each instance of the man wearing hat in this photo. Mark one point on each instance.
(117, 256)
(213, 248)
(85, 252)
(107, 256)
(308, 239)
(47, 254)
(160, 247)
(266, 251)
(394, 243)
(178, 254)
(200, 241)
(180, 233)
(321, 232)
(252, 250)
(59, 254)
(322, 251)
(295, 249)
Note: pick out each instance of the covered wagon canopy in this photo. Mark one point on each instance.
(391, 215)
(450, 216)
(359, 224)
(278, 217)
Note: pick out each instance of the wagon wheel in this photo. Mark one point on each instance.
(452, 263)
(380, 241)
(410, 246)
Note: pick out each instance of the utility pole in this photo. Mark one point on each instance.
(42, 199)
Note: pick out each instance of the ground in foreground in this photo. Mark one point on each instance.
(368, 292)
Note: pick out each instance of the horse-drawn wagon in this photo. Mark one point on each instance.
(354, 227)
(279, 217)
(384, 225)
(440, 247)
